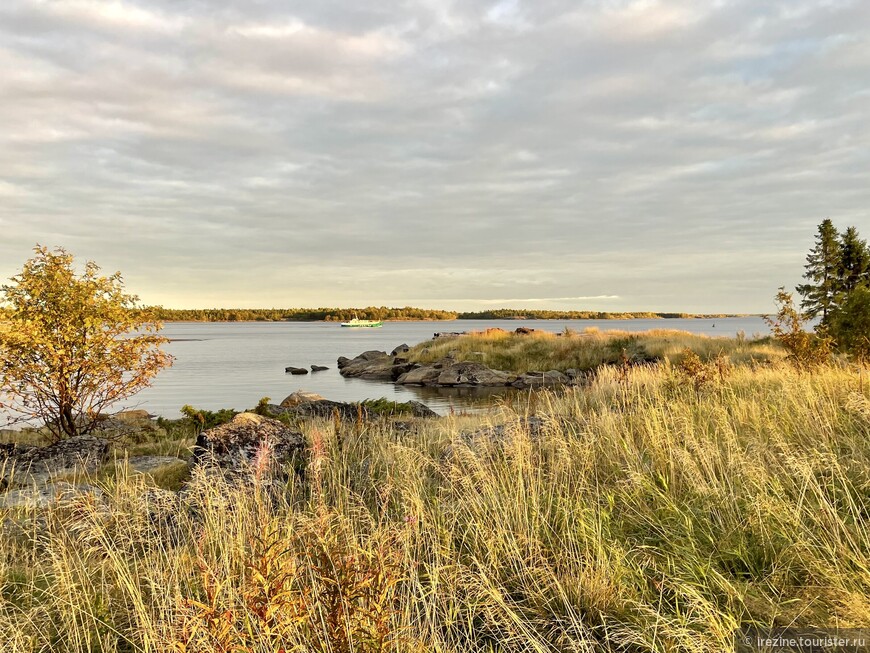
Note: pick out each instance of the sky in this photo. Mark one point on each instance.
(607, 155)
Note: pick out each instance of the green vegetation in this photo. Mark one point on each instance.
(838, 281)
(386, 313)
(299, 314)
(647, 513)
(534, 314)
(589, 349)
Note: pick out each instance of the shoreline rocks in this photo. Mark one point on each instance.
(447, 373)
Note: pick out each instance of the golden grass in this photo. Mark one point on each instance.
(643, 516)
(589, 349)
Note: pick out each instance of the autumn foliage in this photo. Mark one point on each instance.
(74, 345)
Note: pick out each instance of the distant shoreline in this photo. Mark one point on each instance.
(611, 318)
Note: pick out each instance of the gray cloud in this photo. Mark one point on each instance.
(667, 155)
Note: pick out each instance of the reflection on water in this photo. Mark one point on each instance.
(233, 365)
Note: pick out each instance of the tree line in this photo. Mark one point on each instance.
(298, 314)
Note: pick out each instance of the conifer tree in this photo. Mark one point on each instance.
(854, 261)
(822, 269)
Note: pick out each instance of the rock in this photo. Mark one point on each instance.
(420, 376)
(26, 465)
(400, 369)
(319, 368)
(496, 436)
(401, 349)
(47, 495)
(151, 464)
(421, 410)
(327, 409)
(250, 445)
(342, 361)
(371, 355)
(523, 331)
(295, 370)
(448, 334)
(375, 365)
(541, 379)
(300, 397)
(472, 374)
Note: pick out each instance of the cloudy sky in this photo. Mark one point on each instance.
(609, 154)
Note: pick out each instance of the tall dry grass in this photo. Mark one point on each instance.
(640, 514)
(590, 348)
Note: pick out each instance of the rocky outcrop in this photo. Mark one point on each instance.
(250, 445)
(295, 370)
(300, 397)
(421, 410)
(541, 379)
(28, 465)
(375, 365)
(319, 368)
(472, 374)
(401, 349)
(324, 408)
(420, 376)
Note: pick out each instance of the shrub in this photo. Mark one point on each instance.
(804, 349)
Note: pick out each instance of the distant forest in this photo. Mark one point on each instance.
(386, 313)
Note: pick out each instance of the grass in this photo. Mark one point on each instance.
(646, 515)
(589, 349)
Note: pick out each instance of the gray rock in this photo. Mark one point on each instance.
(422, 410)
(472, 374)
(420, 376)
(327, 409)
(319, 368)
(46, 495)
(26, 465)
(541, 379)
(249, 445)
(150, 464)
(401, 349)
(295, 370)
(376, 365)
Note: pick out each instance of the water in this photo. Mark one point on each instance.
(233, 365)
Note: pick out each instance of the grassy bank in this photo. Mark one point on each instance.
(589, 349)
(643, 515)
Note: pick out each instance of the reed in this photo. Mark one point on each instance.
(644, 513)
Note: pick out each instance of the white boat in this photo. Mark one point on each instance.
(356, 322)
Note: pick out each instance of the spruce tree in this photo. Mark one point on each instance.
(854, 261)
(822, 270)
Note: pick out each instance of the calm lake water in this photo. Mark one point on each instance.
(233, 365)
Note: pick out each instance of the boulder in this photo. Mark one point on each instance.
(541, 379)
(300, 397)
(420, 376)
(523, 331)
(319, 368)
(26, 465)
(47, 495)
(421, 409)
(327, 409)
(248, 446)
(375, 365)
(295, 370)
(472, 374)
(401, 349)
(151, 464)
(342, 361)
